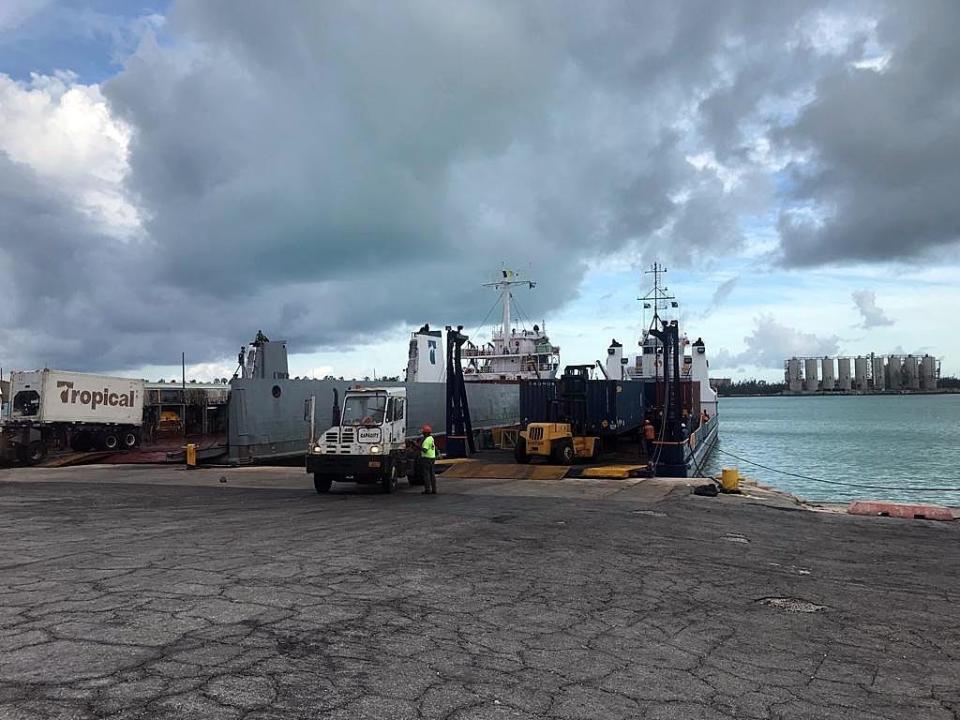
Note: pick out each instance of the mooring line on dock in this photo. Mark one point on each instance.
(839, 482)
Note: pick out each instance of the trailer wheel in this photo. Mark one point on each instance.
(109, 440)
(389, 482)
(129, 439)
(563, 453)
(35, 453)
(520, 452)
(322, 483)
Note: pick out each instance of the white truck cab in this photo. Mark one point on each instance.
(368, 442)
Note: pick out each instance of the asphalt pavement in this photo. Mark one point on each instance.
(154, 593)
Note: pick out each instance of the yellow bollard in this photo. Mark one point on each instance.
(191, 455)
(730, 480)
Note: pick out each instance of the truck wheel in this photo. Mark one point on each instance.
(390, 482)
(520, 452)
(129, 439)
(109, 440)
(563, 452)
(322, 483)
(35, 453)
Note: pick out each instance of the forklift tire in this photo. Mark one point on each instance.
(35, 453)
(389, 482)
(322, 483)
(563, 453)
(597, 449)
(520, 452)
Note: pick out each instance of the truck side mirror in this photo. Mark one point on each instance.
(307, 409)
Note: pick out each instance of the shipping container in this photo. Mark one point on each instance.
(612, 407)
(51, 409)
(53, 396)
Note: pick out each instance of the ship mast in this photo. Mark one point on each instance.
(508, 280)
(658, 297)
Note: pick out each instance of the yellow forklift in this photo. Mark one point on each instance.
(564, 439)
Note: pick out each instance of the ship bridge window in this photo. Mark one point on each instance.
(26, 403)
(364, 409)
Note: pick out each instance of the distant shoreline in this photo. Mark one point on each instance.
(820, 393)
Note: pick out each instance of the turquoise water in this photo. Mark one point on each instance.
(894, 442)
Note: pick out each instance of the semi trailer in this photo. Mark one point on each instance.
(54, 409)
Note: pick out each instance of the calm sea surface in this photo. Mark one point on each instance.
(894, 442)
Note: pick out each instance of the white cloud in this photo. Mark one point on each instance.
(866, 303)
(14, 13)
(64, 131)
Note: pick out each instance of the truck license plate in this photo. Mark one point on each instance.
(374, 463)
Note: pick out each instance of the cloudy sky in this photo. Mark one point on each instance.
(175, 176)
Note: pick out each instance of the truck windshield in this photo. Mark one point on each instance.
(363, 409)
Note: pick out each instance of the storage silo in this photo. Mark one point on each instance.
(843, 373)
(879, 376)
(793, 378)
(860, 373)
(827, 374)
(928, 373)
(810, 375)
(894, 378)
(909, 377)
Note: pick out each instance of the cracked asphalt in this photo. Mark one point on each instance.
(155, 599)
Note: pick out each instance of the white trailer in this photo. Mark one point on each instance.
(49, 408)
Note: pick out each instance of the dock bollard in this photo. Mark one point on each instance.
(191, 455)
(730, 480)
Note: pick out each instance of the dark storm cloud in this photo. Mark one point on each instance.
(328, 171)
(886, 148)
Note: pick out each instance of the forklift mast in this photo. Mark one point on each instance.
(571, 403)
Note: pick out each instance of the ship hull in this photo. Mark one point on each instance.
(687, 459)
(266, 416)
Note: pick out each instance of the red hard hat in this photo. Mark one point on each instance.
(426, 429)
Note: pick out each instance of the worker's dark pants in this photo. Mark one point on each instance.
(429, 476)
(648, 448)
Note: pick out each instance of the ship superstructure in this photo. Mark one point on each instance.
(679, 399)
(512, 354)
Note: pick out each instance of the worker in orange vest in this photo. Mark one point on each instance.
(649, 435)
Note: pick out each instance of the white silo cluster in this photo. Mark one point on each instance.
(879, 378)
(860, 373)
(871, 373)
(843, 373)
(810, 383)
(828, 377)
(928, 373)
(794, 378)
(894, 379)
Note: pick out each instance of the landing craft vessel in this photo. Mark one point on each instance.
(680, 402)
(577, 418)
